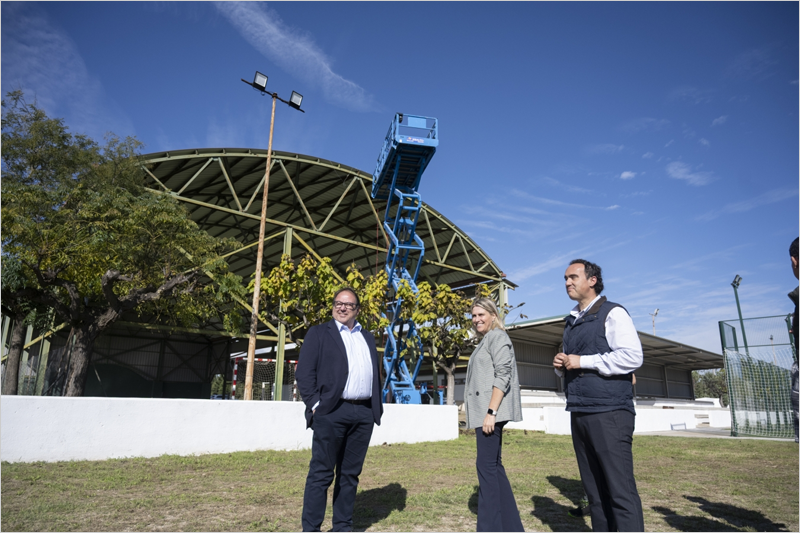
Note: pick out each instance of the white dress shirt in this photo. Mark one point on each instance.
(626, 348)
(359, 377)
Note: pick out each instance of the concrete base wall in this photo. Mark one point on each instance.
(556, 420)
(37, 428)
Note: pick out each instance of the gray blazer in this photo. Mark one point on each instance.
(492, 365)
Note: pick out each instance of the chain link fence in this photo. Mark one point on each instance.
(759, 353)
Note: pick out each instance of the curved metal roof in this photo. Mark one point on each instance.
(326, 205)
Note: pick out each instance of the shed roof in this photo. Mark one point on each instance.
(657, 350)
(327, 205)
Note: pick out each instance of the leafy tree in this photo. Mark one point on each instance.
(93, 243)
(216, 386)
(299, 295)
(444, 327)
(23, 312)
(711, 384)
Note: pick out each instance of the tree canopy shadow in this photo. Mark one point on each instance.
(555, 515)
(738, 516)
(572, 489)
(374, 505)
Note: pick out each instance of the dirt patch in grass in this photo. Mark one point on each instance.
(685, 485)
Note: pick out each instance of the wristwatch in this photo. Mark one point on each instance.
(492, 412)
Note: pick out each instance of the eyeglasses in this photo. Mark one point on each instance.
(347, 305)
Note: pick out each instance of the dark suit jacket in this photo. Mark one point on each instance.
(322, 370)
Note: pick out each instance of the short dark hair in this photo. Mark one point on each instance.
(793, 248)
(592, 270)
(349, 289)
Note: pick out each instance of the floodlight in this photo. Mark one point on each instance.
(736, 281)
(260, 81)
(296, 100)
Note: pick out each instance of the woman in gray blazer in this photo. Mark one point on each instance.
(492, 398)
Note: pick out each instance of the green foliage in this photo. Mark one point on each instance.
(72, 211)
(711, 384)
(300, 295)
(91, 243)
(443, 321)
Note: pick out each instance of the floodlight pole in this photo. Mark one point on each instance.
(251, 346)
(654, 314)
(735, 285)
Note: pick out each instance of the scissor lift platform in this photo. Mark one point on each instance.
(411, 140)
(407, 150)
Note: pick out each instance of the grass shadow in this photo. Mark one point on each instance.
(374, 505)
(691, 523)
(555, 516)
(738, 516)
(572, 489)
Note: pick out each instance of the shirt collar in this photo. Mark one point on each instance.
(344, 327)
(577, 312)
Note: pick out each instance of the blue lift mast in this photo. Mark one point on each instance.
(407, 150)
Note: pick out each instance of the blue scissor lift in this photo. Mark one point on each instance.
(407, 150)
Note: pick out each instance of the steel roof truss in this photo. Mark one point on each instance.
(297, 194)
(208, 162)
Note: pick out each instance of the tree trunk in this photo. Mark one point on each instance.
(11, 381)
(79, 361)
(450, 370)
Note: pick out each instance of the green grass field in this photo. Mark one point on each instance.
(685, 484)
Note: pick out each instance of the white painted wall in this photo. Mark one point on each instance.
(556, 420)
(43, 428)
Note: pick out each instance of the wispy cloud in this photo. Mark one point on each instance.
(719, 120)
(547, 201)
(555, 261)
(566, 186)
(682, 171)
(769, 197)
(755, 63)
(606, 148)
(645, 124)
(36, 51)
(704, 142)
(627, 175)
(647, 155)
(721, 255)
(691, 94)
(669, 143)
(295, 52)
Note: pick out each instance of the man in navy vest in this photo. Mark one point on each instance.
(601, 351)
(339, 379)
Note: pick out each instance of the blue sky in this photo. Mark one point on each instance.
(659, 140)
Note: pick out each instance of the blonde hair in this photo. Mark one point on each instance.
(488, 305)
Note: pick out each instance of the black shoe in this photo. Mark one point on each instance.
(577, 512)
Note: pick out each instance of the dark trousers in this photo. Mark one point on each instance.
(602, 443)
(795, 399)
(497, 508)
(341, 440)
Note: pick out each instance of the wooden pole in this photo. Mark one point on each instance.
(251, 346)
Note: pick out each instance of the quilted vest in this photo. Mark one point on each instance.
(587, 391)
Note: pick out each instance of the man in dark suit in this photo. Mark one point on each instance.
(339, 380)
